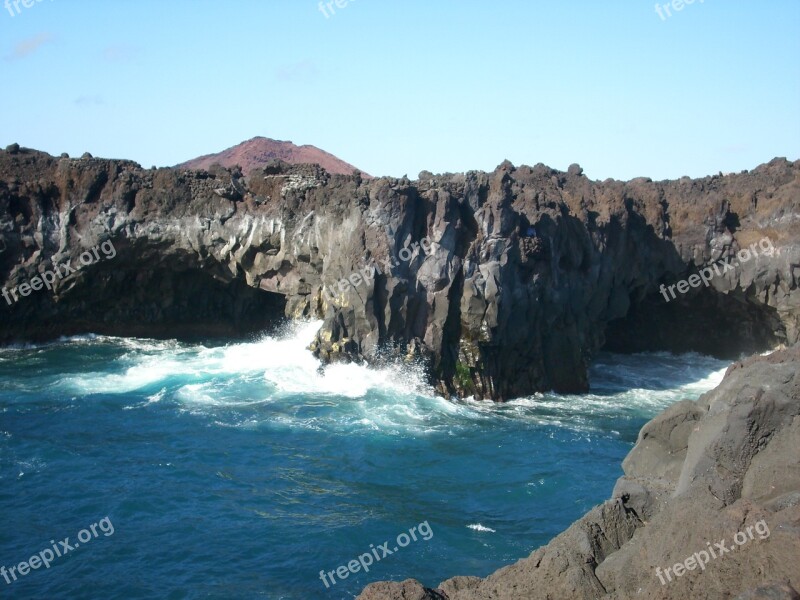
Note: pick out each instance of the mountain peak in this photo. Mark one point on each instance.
(258, 151)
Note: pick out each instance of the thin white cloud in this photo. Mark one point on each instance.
(30, 45)
(95, 100)
(305, 70)
(120, 53)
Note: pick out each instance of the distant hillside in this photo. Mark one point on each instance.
(259, 151)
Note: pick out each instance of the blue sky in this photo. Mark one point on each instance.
(396, 87)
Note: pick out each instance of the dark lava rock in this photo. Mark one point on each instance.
(531, 271)
(407, 590)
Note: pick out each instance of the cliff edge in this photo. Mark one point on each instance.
(503, 283)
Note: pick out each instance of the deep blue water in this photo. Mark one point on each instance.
(242, 471)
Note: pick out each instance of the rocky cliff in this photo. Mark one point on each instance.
(528, 273)
(708, 509)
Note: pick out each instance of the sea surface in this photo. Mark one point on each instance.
(242, 470)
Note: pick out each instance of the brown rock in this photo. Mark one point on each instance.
(407, 590)
(260, 152)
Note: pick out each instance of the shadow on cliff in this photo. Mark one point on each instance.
(655, 321)
(685, 325)
(143, 292)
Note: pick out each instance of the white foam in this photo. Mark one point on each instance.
(276, 381)
(481, 528)
(197, 394)
(149, 361)
(157, 397)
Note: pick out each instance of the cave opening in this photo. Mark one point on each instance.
(739, 325)
(172, 299)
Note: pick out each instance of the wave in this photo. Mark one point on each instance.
(275, 381)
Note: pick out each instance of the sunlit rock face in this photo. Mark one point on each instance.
(503, 283)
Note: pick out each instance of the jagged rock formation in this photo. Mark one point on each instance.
(260, 152)
(532, 270)
(723, 469)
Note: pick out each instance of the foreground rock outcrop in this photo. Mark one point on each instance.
(723, 469)
(504, 283)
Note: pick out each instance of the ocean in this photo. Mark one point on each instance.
(245, 469)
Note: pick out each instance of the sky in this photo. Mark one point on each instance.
(396, 87)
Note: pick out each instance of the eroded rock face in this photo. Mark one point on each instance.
(407, 590)
(723, 469)
(532, 270)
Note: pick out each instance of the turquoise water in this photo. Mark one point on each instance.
(242, 471)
